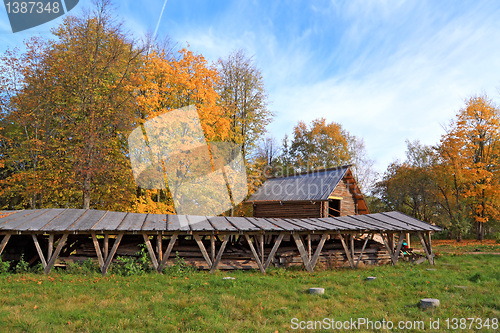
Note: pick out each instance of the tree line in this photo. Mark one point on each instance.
(68, 104)
(456, 183)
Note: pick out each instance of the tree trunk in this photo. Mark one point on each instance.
(86, 193)
(480, 230)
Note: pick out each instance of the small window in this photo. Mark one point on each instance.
(334, 207)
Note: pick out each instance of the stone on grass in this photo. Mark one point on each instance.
(370, 278)
(228, 278)
(429, 303)
(318, 291)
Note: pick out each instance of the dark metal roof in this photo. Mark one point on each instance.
(316, 185)
(86, 220)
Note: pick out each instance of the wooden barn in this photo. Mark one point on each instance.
(322, 193)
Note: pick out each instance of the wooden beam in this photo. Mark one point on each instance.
(389, 249)
(52, 260)
(261, 245)
(167, 252)
(368, 237)
(39, 250)
(317, 253)
(346, 250)
(202, 249)
(212, 247)
(51, 245)
(303, 252)
(428, 254)
(273, 251)
(111, 254)
(255, 255)
(398, 247)
(5, 240)
(219, 254)
(106, 246)
(159, 247)
(151, 251)
(97, 250)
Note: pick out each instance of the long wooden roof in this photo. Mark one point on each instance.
(87, 220)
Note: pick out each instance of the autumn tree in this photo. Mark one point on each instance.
(470, 164)
(70, 114)
(409, 186)
(326, 145)
(166, 82)
(243, 96)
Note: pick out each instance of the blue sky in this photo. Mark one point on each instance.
(386, 70)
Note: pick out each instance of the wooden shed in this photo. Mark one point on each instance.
(329, 192)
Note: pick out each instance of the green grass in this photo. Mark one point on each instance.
(200, 302)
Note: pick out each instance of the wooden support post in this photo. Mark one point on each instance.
(51, 245)
(52, 260)
(303, 252)
(159, 247)
(106, 246)
(273, 251)
(347, 251)
(255, 255)
(368, 237)
(317, 253)
(150, 250)
(309, 248)
(97, 250)
(167, 252)
(5, 240)
(219, 254)
(212, 247)
(351, 236)
(408, 239)
(111, 254)
(202, 249)
(398, 247)
(427, 247)
(39, 250)
(261, 244)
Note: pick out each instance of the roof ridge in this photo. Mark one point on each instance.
(314, 171)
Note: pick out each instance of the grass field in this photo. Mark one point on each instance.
(188, 301)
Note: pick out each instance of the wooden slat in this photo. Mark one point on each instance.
(64, 220)
(243, 224)
(199, 223)
(110, 222)
(14, 221)
(263, 224)
(41, 220)
(174, 223)
(281, 224)
(155, 222)
(87, 220)
(132, 222)
(220, 223)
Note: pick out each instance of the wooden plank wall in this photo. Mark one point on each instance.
(287, 209)
(348, 205)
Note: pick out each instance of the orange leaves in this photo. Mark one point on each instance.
(165, 84)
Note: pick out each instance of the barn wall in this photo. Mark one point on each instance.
(287, 209)
(348, 205)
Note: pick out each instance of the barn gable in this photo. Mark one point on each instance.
(321, 193)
